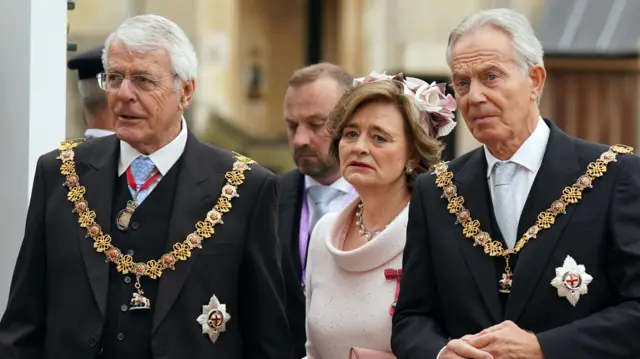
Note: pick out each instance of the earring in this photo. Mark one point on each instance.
(409, 170)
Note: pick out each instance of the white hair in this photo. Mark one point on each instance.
(527, 47)
(144, 33)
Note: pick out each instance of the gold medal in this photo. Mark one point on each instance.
(138, 300)
(124, 216)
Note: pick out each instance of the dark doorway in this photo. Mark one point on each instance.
(315, 15)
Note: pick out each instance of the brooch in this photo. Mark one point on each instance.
(571, 280)
(214, 318)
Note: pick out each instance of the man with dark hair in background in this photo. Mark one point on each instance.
(98, 119)
(315, 187)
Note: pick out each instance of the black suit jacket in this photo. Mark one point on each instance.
(58, 294)
(289, 210)
(449, 287)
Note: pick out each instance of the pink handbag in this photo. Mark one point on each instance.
(361, 353)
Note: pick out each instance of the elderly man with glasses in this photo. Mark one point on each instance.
(157, 245)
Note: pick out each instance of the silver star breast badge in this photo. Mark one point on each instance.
(571, 280)
(214, 318)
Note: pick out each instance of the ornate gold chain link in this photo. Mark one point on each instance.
(471, 227)
(125, 263)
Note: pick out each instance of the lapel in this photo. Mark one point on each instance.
(290, 207)
(99, 180)
(560, 168)
(197, 189)
(471, 181)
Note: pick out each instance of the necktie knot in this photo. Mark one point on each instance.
(504, 172)
(142, 168)
(323, 194)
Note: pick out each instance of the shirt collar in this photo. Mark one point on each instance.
(163, 158)
(340, 184)
(97, 132)
(530, 154)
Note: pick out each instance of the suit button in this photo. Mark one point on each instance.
(130, 252)
(124, 308)
(120, 336)
(127, 279)
(93, 340)
(135, 225)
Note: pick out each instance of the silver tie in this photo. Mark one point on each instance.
(321, 197)
(504, 204)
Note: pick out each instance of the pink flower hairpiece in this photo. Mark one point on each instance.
(430, 98)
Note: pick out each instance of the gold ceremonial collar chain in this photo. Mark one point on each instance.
(471, 227)
(125, 263)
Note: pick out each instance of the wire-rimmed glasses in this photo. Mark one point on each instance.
(111, 81)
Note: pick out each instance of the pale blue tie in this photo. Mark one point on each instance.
(142, 168)
(504, 204)
(321, 197)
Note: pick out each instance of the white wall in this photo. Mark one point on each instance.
(32, 107)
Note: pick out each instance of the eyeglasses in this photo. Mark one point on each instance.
(112, 81)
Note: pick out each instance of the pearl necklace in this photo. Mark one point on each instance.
(360, 222)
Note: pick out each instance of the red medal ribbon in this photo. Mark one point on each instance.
(132, 183)
(394, 274)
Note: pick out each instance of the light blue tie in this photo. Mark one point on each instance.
(142, 168)
(321, 196)
(504, 204)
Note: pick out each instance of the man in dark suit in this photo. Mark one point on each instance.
(98, 118)
(316, 186)
(158, 245)
(528, 247)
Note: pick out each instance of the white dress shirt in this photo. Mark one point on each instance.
(529, 158)
(97, 132)
(164, 158)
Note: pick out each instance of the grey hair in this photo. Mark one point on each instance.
(144, 33)
(93, 98)
(527, 47)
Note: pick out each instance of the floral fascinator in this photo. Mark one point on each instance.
(438, 107)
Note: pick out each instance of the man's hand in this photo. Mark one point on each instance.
(458, 349)
(506, 341)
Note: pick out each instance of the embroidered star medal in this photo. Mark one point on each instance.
(571, 280)
(214, 318)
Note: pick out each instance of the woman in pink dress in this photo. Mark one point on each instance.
(384, 134)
